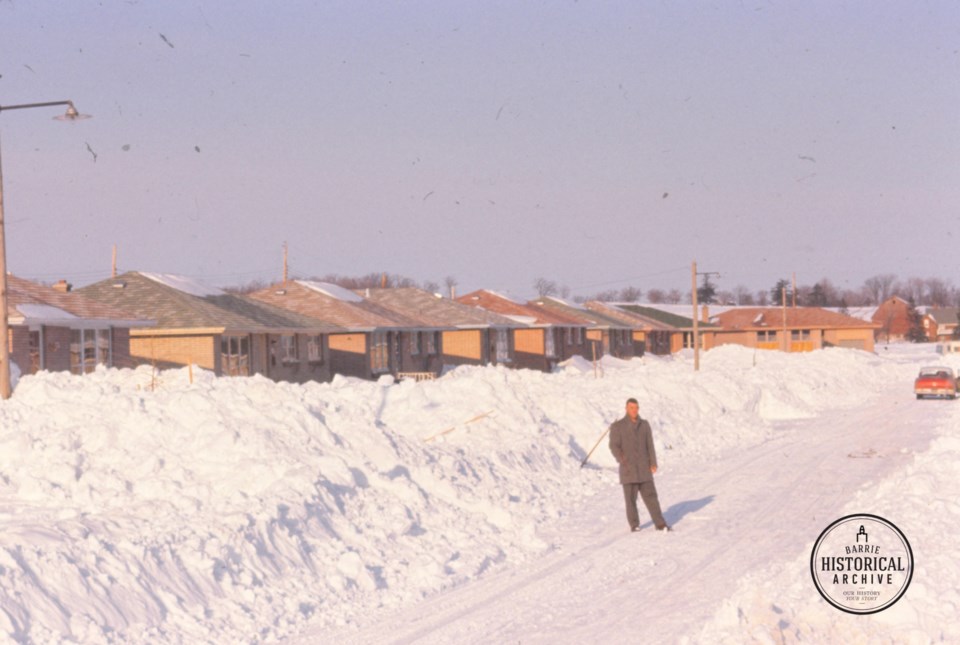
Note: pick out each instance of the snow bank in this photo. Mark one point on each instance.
(779, 603)
(143, 510)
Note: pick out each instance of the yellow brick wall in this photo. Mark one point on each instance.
(464, 343)
(529, 341)
(177, 350)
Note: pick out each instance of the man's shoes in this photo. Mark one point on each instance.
(635, 529)
(665, 527)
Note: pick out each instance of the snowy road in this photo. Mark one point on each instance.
(732, 515)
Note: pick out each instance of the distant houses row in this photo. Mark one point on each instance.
(310, 331)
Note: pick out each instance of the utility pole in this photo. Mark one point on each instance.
(696, 317)
(70, 115)
(696, 312)
(113, 263)
(783, 299)
(285, 273)
(793, 289)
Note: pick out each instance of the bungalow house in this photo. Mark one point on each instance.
(793, 329)
(648, 334)
(893, 316)
(469, 335)
(229, 334)
(674, 330)
(373, 341)
(607, 334)
(940, 323)
(550, 337)
(56, 330)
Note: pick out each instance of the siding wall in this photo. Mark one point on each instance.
(171, 351)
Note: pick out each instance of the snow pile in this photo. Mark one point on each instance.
(779, 603)
(156, 510)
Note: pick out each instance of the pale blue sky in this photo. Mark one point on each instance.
(494, 141)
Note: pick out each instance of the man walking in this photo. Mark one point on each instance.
(631, 442)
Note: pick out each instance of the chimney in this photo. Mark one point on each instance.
(453, 292)
(63, 286)
(705, 313)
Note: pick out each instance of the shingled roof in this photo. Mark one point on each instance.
(633, 318)
(593, 319)
(505, 306)
(758, 318)
(32, 303)
(672, 320)
(334, 305)
(178, 304)
(432, 310)
(943, 315)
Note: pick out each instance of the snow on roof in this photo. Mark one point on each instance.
(526, 320)
(500, 294)
(184, 284)
(44, 312)
(758, 319)
(332, 290)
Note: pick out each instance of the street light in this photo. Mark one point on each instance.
(70, 115)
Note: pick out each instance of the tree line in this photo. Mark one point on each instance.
(933, 292)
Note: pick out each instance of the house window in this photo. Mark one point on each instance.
(432, 342)
(568, 335)
(288, 349)
(379, 352)
(800, 335)
(578, 335)
(315, 349)
(88, 348)
(502, 345)
(550, 344)
(767, 336)
(414, 343)
(235, 355)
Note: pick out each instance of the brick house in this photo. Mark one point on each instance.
(548, 338)
(674, 330)
(374, 340)
(229, 334)
(608, 334)
(470, 336)
(54, 329)
(940, 323)
(794, 329)
(649, 334)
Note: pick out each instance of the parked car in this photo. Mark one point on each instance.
(936, 381)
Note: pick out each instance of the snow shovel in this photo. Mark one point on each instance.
(584, 462)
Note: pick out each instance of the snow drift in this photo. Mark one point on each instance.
(140, 509)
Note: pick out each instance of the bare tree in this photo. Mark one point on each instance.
(742, 295)
(656, 296)
(431, 286)
(674, 296)
(880, 287)
(914, 289)
(564, 292)
(938, 292)
(763, 298)
(545, 287)
(249, 287)
(630, 294)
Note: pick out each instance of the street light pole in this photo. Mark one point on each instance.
(70, 115)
